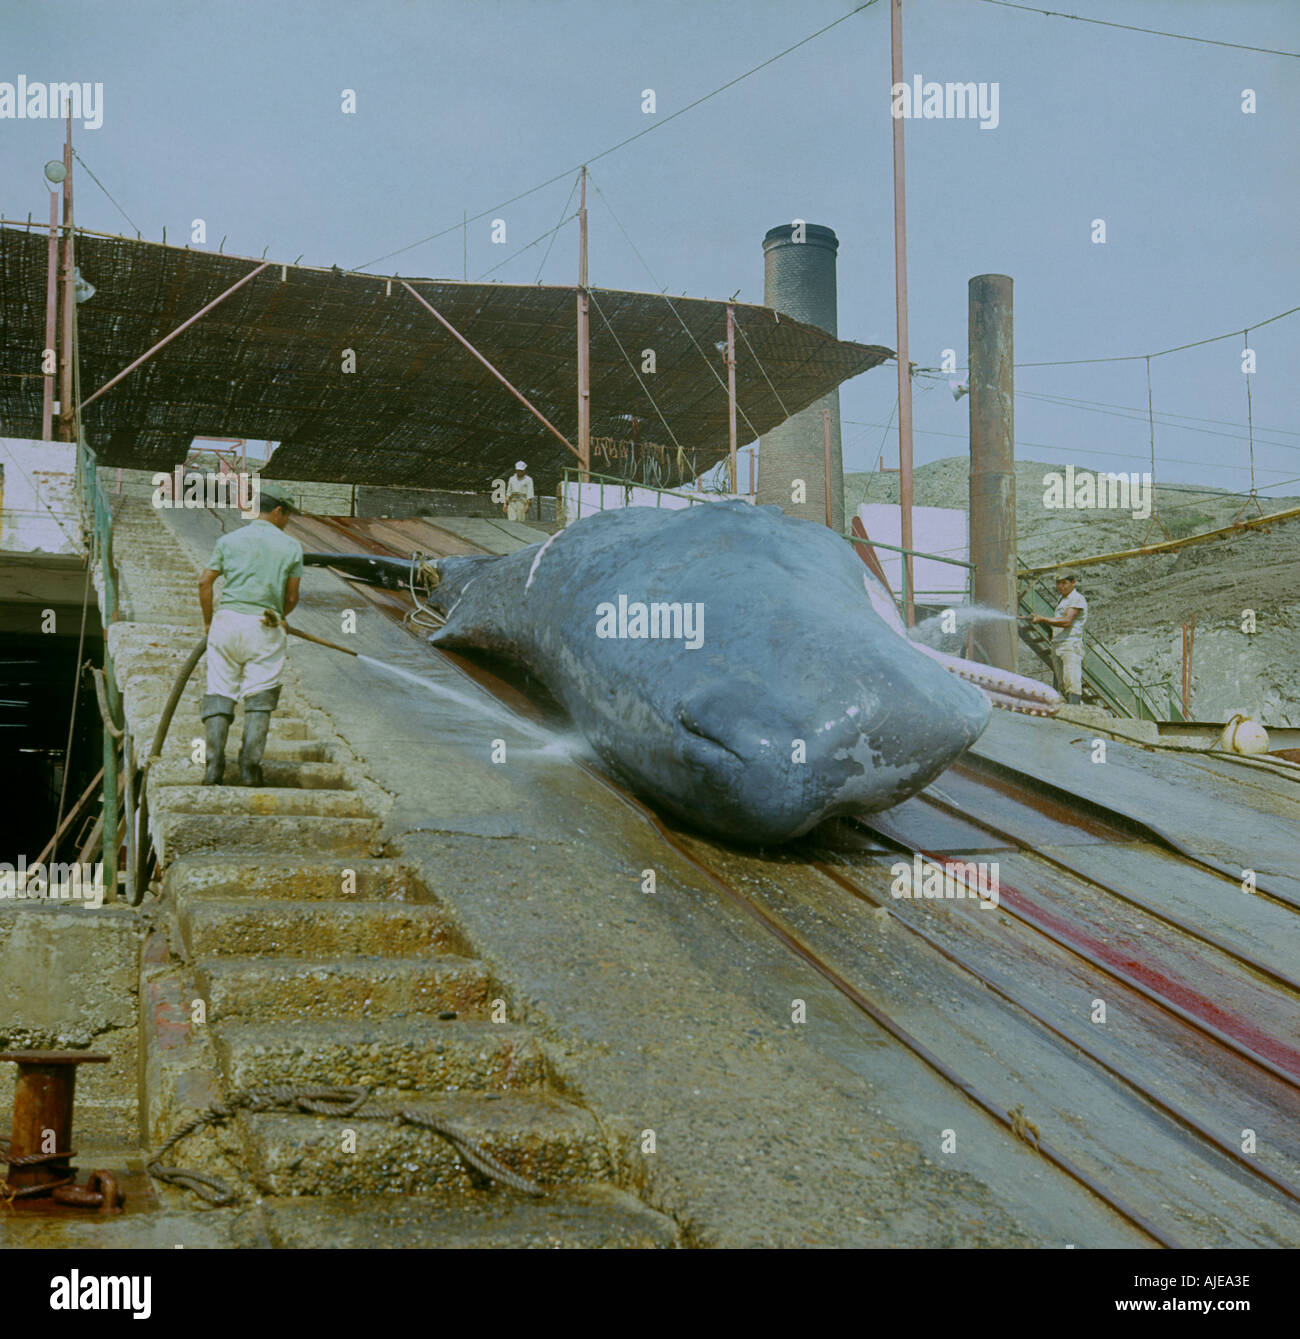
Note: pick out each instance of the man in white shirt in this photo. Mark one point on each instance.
(1067, 637)
(519, 493)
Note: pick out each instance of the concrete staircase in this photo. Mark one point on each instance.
(287, 952)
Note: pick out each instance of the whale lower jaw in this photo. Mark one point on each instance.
(1011, 692)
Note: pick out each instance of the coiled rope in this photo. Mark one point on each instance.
(323, 1101)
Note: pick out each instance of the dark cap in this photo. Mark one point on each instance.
(270, 499)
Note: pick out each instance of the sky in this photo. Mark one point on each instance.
(232, 112)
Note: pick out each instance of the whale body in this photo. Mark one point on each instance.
(739, 669)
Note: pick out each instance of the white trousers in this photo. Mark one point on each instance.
(1069, 669)
(516, 507)
(244, 655)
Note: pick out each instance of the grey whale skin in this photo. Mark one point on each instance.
(793, 648)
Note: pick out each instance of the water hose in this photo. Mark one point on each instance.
(320, 641)
(138, 876)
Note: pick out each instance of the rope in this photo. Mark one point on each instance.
(530, 245)
(104, 188)
(551, 243)
(9, 1193)
(322, 1101)
(601, 313)
(761, 368)
(614, 148)
(708, 362)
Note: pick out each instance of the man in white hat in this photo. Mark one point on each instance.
(519, 493)
(1067, 637)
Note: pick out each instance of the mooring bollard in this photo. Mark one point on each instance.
(40, 1149)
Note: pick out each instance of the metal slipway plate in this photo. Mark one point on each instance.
(1132, 1149)
(923, 826)
(1211, 815)
(1253, 925)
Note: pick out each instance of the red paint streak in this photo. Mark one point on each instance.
(171, 1022)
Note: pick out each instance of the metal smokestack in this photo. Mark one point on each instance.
(993, 461)
(799, 281)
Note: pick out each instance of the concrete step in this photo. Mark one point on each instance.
(265, 989)
(179, 834)
(388, 1057)
(585, 1217)
(143, 717)
(223, 802)
(288, 877)
(291, 775)
(179, 743)
(253, 927)
(549, 1141)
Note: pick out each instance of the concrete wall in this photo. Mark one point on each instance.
(373, 500)
(69, 980)
(38, 497)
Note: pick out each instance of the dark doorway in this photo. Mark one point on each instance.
(39, 679)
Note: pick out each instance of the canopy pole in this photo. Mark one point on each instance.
(67, 421)
(584, 340)
(51, 319)
(523, 400)
(731, 394)
(900, 303)
(167, 339)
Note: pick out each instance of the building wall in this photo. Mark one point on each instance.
(38, 497)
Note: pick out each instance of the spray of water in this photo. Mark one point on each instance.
(548, 744)
(931, 632)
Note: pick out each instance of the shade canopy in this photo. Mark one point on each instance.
(271, 362)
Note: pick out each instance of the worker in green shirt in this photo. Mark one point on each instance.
(246, 638)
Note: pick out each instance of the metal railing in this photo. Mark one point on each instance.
(627, 487)
(968, 593)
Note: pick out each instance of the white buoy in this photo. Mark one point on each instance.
(1244, 734)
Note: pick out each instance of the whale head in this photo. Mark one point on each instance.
(804, 698)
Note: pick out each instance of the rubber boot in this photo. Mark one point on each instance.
(257, 722)
(216, 713)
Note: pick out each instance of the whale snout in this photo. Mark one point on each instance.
(772, 766)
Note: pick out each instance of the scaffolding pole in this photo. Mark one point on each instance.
(584, 340)
(900, 302)
(731, 394)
